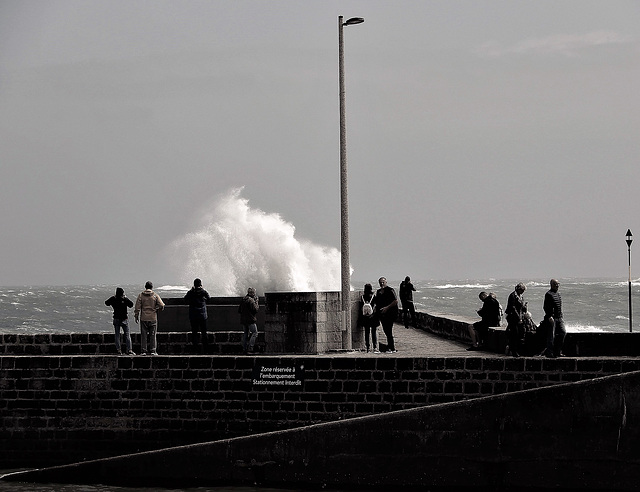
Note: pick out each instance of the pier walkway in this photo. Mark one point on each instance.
(414, 342)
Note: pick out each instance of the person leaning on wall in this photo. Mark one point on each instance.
(248, 310)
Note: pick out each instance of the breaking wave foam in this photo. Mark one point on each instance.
(237, 246)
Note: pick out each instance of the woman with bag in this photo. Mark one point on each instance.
(368, 318)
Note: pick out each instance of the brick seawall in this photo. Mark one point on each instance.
(61, 409)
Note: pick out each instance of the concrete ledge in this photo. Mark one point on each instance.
(575, 436)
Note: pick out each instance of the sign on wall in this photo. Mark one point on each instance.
(279, 375)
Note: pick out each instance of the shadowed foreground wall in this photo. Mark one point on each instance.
(580, 436)
(60, 409)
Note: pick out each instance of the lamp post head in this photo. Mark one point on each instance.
(629, 236)
(353, 20)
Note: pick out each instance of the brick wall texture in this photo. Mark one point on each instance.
(61, 409)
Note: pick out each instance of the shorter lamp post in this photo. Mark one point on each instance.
(629, 241)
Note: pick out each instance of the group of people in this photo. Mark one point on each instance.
(551, 332)
(149, 303)
(381, 307)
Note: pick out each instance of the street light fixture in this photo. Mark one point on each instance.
(629, 241)
(344, 197)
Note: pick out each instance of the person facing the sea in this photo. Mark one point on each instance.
(515, 312)
(406, 299)
(248, 310)
(387, 310)
(147, 306)
(490, 314)
(556, 331)
(368, 318)
(197, 298)
(120, 303)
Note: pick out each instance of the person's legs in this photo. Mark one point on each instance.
(514, 340)
(195, 334)
(143, 338)
(245, 338)
(551, 328)
(387, 327)
(153, 329)
(474, 337)
(412, 310)
(253, 330)
(405, 314)
(374, 338)
(116, 328)
(127, 335)
(560, 334)
(367, 329)
(205, 338)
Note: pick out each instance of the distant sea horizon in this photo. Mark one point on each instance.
(589, 304)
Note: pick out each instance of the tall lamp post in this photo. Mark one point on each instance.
(344, 198)
(629, 241)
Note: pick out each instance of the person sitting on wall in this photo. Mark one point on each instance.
(490, 314)
(248, 310)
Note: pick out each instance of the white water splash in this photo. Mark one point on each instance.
(237, 246)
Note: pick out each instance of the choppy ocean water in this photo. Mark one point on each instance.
(589, 304)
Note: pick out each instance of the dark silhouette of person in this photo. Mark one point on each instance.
(198, 298)
(406, 299)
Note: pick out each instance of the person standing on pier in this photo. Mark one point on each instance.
(147, 306)
(120, 303)
(406, 299)
(516, 309)
(368, 318)
(197, 298)
(556, 331)
(387, 310)
(248, 310)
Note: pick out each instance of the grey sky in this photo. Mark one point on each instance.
(492, 139)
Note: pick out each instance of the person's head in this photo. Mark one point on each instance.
(197, 283)
(554, 285)
(382, 281)
(407, 279)
(368, 289)
(520, 288)
(483, 295)
(119, 292)
(251, 292)
(148, 285)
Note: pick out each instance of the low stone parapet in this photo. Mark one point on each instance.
(220, 343)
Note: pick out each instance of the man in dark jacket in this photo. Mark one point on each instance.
(553, 320)
(120, 303)
(490, 314)
(248, 310)
(387, 311)
(406, 299)
(197, 298)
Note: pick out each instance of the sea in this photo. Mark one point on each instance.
(596, 304)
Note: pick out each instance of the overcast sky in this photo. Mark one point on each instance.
(486, 139)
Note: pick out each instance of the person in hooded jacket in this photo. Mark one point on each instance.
(248, 310)
(147, 306)
(197, 298)
(120, 303)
